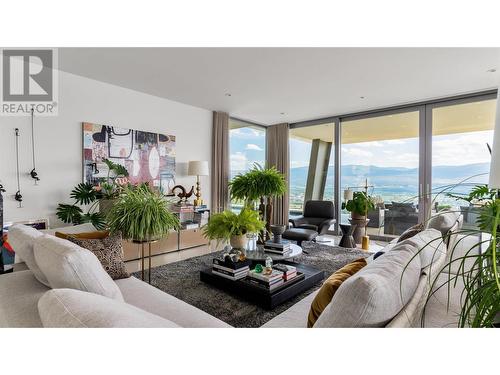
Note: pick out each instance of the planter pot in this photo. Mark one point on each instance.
(105, 205)
(357, 216)
(238, 242)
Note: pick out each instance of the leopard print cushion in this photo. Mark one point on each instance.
(109, 251)
(410, 232)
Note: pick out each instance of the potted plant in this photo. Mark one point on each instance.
(359, 206)
(259, 184)
(233, 227)
(111, 188)
(141, 214)
(84, 194)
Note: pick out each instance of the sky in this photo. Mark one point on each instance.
(247, 146)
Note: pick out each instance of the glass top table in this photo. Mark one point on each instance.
(260, 255)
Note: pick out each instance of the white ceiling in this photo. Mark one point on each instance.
(302, 83)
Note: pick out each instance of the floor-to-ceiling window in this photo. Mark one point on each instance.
(382, 153)
(311, 165)
(461, 134)
(247, 146)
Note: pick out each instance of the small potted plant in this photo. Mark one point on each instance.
(141, 215)
(232, 227)
(359, 205)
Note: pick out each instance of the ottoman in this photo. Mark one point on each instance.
(300, 234)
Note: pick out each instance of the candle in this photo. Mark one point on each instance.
(365, 243)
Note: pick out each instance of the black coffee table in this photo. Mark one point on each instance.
(260, 296)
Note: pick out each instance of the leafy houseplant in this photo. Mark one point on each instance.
(99, 198)
(259, 184)
(141, 214)
(234, 227)
(480, 300)
(84, 194)
(111, 188)
(359, 205)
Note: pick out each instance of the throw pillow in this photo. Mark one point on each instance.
(96, 235)
(410, 232)
(108, 250)
(67, 265)
(68, 308)
(443, 221)
(330, 286)
(22, 239)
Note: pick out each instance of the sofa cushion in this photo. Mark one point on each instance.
(69, 308)
(153, 300)
(108, 250)
(330, 287)
(67, 265)
(429, 244)
(443, 221)
(375, 294)
(22, 238)
(80, 228)
(295, 316)
(19, 295)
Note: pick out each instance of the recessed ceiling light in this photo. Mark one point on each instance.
(493, 70)
(361, 97)
(227, 94)
(282, 113)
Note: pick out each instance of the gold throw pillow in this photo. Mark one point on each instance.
(330, 286)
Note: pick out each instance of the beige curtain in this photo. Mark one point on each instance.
(220, 162)
(277, 154)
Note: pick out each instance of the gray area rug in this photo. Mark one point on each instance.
(182, 280)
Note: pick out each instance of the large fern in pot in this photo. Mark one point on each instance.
(142, 214)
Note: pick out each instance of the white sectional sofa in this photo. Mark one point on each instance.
(22, 305)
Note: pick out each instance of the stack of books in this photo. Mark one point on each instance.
(231, 270)
(281, 248)
(289, 272)
(269, 281)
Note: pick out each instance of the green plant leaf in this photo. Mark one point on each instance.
(69, 213)
(84, 193)
(224, 225)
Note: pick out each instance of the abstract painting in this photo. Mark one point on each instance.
(148, 157)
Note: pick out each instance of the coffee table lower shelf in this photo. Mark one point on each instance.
(260, 296)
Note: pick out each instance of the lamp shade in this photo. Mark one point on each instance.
(348, 195)
(198, 168)
(495, 152)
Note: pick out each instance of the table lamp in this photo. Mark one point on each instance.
(198, 168)
(494, 182)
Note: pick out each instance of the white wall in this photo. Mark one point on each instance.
(59, 141)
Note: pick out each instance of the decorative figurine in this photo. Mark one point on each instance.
(259, 268)
(269, 266)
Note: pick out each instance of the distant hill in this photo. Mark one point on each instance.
(394, 176)
(383, 176)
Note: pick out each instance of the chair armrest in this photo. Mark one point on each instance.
(325, 225)
(298, 221)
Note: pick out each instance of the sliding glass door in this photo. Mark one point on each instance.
(410, 158)
(312, 164)
(382, 153)
(460, 134)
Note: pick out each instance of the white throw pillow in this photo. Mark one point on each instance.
(375, 294)
(443, 221)
(22, 238)
(430, 246)
(67, 265)
(69, 308)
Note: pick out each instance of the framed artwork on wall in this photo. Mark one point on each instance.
(148, 157)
